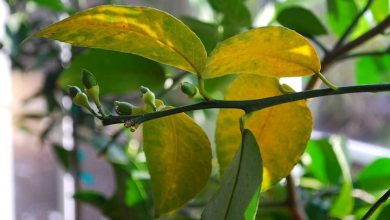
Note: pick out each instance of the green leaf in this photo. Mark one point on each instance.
(63, 156)
(129, 198)
(207, 32)
(234, 12)
(239, 194)
(376, 176)
(344, 202)
(340, 15)
(282, 131)
(380, 9)
(116, 72)
(385, 213)
(93, 198)
(371, 70)
(323, 164)
(143, 31)
(55, 5)
(266, 51)
(301, 20)
(178, 154)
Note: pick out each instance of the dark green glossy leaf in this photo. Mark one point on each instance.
(301, 20)
(129, 199)
(63, 156)
(323, 164)
(373, 70)
(239, 194)
(207, 32)
(375, 176)
(93, 198)
(116, 72)
(235, 13)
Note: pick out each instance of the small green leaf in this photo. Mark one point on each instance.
(178, 154)
(301, 20)
(323, 164)
(376, 176)
(344, 202)
(63, 156)
(93, 198)
(55, 5)
(371, 70)
(119, 74)
(143, 31)
(239, 194)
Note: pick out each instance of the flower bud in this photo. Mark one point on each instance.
(79, 98)
(91, 87)
(123, 108)
(148, 98)
(189, 89)
(89, 80)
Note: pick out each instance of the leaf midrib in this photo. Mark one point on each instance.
(236, 178)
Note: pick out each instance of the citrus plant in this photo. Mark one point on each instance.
(263, 126)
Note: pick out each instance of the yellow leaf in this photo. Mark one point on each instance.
(143, 31)
(281, 131)
(178, 154)
(266, 51)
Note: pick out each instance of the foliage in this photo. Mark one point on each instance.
(256, 148)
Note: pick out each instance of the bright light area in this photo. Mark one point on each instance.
(6, 151)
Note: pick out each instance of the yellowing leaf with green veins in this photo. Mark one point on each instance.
(178, 154)
(143, 31)
(266, 51)
(282, 131)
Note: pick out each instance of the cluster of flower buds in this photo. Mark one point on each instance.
(91, 88)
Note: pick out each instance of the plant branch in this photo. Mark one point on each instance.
(294, 201)
(338, 52)
(373, 53)
(246, 105)
(376, 205)
(355, 21)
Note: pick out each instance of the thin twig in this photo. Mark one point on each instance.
(175, 81)
(112, 140)
(294, 200)
(355, 21)
(338, 52)
(319, 44)
(246, 105)
(373, 53)
(376, 205)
